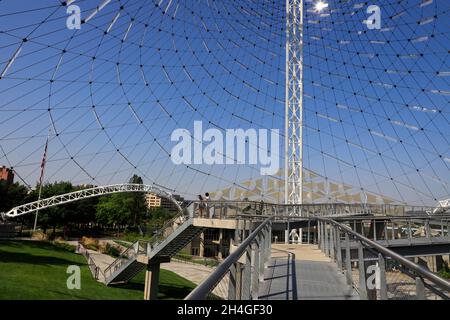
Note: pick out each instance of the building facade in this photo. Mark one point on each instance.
(7, 174)
(153, 201)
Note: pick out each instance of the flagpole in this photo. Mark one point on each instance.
(41, 180)
(37, 210)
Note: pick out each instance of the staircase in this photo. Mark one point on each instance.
(169, 240)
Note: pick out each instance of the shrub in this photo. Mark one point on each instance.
(106, 248)
(89, 243)
(113, 251)
(65, 246)
(39, 235)
(445, 272)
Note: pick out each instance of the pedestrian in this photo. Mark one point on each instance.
(201, 206)
(207, 205)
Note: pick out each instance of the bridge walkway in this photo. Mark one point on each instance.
(310, 276)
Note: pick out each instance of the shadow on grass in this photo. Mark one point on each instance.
(21, 257)
(23, 253)
(177, 292)
(32, 244)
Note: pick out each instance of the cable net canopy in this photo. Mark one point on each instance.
(110, 94)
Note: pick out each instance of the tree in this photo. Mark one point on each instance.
(139, 205)
(114, 210)
(58, 215)
(11, 195)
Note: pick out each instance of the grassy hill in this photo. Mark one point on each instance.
(37, 270)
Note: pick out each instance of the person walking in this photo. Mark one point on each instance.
(201, 206)
(208, 214)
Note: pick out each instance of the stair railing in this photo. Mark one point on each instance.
(166, 230)
(124, 257)
(145, 246)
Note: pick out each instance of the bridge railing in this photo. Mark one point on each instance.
(388, 229)
(376, 272)
(239, 276)
(231, 209)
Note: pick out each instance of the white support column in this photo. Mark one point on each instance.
(294, 103)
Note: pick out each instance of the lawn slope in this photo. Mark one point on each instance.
(37, 270)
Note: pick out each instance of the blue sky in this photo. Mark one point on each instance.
(376, 109)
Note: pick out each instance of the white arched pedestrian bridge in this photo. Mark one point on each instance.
(88, 193)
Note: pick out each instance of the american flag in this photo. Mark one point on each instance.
(44, 158)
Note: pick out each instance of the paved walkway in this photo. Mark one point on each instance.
(192, 272)
(311, 276)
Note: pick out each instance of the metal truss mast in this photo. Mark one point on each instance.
(294, 103)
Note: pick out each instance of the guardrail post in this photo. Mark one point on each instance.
(362, 272)
(332, 253)
(255, 270)
(309, 231)
(232, 282)
(393, 230)
(374, 230)
(268, 243)
(428, 229)
(328, 238)
(386, 236)
(238, 278)
(262, 259)
(338, 248)
(319, 234)
(383, 284)
(236, 232)
(420, 289)
(246, 277)
(348, 261)
(409, 232)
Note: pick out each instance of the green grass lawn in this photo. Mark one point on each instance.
(37, 270)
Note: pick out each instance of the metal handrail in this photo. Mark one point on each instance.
(160, 232)
(96, 269)
(122, 256)
(319, 210)
(208, 285)
(125, 256)
(442, 283)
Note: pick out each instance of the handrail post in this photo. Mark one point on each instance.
(255, 270)
(261, 257)
(374, 230)
(319, 236)
(348, 261)
(428, 229)
(420, 289)
(309, 232)
(338, 248)
(383, 284)
(332, 253)
(362, 272)
(409, 232)
(246, 284)
(232, 283)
